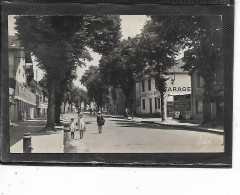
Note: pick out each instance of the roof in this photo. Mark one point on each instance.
(14, 43)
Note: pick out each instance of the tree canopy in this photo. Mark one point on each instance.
(201, 37)
(122, 66)
(97, 89)
(60, 44)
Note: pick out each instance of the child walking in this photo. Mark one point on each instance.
(81, 125)
(100, 121)
(72, 127)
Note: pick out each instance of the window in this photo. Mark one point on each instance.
(150, 105)
(149, 84)
(199, 106)
(143, 104)
(200, 81)
(143, 86)
(155, 100)
(159, 103)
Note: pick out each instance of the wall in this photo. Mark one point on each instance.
(197, 95)
(178, 84)
(21, 101)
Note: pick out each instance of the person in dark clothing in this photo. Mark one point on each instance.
(100, 121)
(126, 113)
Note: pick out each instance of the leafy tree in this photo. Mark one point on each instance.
(79, 95)
(202, 37)
(121, 67)
(64, 86)
(97, 89)
(67, 95)
(114, 97)
(59, 44)
(205, 57)
(57, 47)
(104, 32)
(159, 51)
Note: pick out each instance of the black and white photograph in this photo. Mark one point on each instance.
(116, 84)
(124, 97)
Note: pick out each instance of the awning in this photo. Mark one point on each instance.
(24, 94)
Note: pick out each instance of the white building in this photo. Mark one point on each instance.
(148, 98)
(22, 102)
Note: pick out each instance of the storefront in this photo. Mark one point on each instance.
(148, 98)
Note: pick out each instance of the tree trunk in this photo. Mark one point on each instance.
(207, 115)
(51, 107)
(114, 109)
(107, 109)
(206, 110)
(57, 111)
(126, 103)
(220, 111)
(132, 110)
(162, 107)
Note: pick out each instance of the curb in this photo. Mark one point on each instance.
(192, 128)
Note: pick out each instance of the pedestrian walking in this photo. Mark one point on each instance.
(126, 113)
(81, 125)
(100, 121)
(72, 127)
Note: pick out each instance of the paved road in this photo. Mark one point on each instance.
(124, 136)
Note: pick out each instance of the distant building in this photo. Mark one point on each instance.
(197, 96)
(198, 89)
(41, 99)
(116, 104)
(22, 102)
(148, 100)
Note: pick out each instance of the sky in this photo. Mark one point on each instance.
(131, 25)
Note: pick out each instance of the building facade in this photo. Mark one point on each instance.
(41, 99)
(148, 100)
(116, 104)
(216, 106)
(22, 102)
(197, 96)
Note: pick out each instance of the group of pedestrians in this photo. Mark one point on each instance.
(81, 125)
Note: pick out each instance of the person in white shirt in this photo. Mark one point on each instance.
(81, 125)
(72, 127)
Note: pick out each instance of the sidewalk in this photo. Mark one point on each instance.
(190, 125)
(42, 142)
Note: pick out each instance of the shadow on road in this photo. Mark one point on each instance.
(122, 123)
(34, 126)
